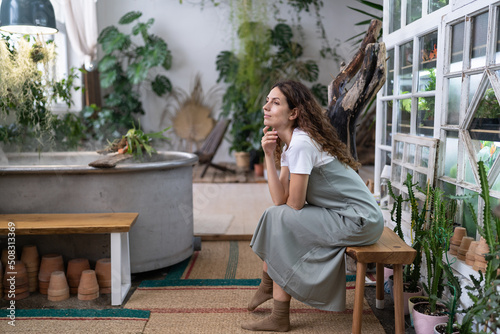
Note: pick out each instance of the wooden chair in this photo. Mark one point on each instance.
(210, 146)
(389, 249)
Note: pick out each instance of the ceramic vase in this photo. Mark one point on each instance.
(455, 328)
(408, 295)
(412, 301)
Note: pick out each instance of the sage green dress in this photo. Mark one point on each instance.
(304, 249)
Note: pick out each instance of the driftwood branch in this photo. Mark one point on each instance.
(369, 64)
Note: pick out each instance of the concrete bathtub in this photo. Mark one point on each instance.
(160, 190)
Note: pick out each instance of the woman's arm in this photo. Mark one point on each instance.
(278, 187)
(298, 190)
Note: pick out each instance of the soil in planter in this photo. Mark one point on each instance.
(406, 289)
(425, 309)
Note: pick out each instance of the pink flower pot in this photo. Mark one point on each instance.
(424, 324)
(407, 295)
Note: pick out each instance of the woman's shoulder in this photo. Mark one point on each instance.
(300, 138)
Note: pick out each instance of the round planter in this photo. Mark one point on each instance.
(259, 170)
(242, 160)
(408, 295)
(423, 323)
(414, 300)
(441, 329)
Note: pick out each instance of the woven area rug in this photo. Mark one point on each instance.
(209, 292)
(74, 321)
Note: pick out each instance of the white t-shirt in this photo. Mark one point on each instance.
(303, 154)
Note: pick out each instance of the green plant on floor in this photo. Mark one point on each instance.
(484, 292)
(411, 273)
(126, 66)
(455, 292)
(435, 244)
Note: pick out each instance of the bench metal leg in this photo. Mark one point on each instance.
(399, 317)
(120, 267)
(359, 293)
(379, 299)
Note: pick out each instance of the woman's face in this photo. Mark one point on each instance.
(277, 113)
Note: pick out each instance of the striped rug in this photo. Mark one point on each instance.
(74, 321)
(208, 293)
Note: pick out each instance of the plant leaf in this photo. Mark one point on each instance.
(161, 84)
(137, 72)
(129, 17)
(107, 63)
(108, 78)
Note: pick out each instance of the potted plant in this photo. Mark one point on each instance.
(484, 291)
(264, 56)
(126, 65)
(438, 231)
(411, 273)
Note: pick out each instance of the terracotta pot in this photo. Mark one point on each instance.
(454, 249)
(464, 247)
(458, 234)
(19, 286)
(74, 272)
(58, 287)
(30, 257)
(407, 295)
(50, 263)
(1, 279)
(103, 272)
(424, 324)
(470, 255)
(258, 170)
(88, 283)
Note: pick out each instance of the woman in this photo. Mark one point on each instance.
(321, 206)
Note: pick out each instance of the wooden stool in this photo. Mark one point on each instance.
(389, 249)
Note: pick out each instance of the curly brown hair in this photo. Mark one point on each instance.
(313, 120)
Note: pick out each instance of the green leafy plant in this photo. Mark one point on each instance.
(266, 56)
(126, 65)
(137, 141)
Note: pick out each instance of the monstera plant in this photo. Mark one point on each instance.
(130, 62)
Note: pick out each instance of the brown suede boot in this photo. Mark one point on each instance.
(278, 321)
(264, 292)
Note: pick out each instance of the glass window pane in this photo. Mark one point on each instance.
(410, 154)
(486, 151)
(479, 33)
(421, 179)
(396, 173)
(424, 156)
(451, 150)
(398, 155)
(486, 123)
(405, 67)
(395, 15)
(403, 125)
(469, 174)
(413, 10)
(454, 94)
(457, 47)
(427, 63)
(474, 81)
(425, 116)
(387, 130)
(468, 221)
(496, 184)
(389, 84)
(436, 4)
(497, 57)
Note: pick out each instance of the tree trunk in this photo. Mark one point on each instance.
(345, 105)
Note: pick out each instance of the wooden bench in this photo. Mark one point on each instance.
(117, 224)
(390, 249)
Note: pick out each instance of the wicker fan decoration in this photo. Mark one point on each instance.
(193, 119)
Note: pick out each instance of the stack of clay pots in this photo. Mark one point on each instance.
(58, 287)
(464, 247)
(31, 260)
(49, 264)
(5, 257)
(456, 240)
(15, 282)
(103, 273)
(480, 262)
(88, 289)
(75, 269)
(470, 257)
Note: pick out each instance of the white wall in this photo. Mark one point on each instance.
(196, 36)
